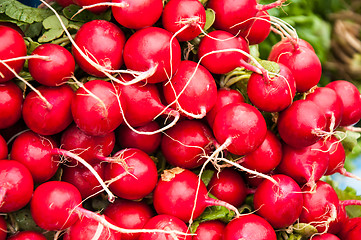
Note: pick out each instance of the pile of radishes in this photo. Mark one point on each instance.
(137, 110)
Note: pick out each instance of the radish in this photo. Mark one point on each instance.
(108, 54)
(303, 63)
(234, 16)
(12, 47)
(179, 193)
(351, 229)
(184, 18)
(131, 167)
(259, 29)
(91, 148)
(147, 99)
(210, 230)
(351, 101)
(155, 51)
(192, 90)
(10, 104)
(288, 44)
(330, 103)
(186, 144)
(326, 236)
(272, 94)
(83, 179)
(281, 205)
(165, 222)
(27, 235)
(96, 10)
(250, 227)
(241, 127)
(266, 157)
(31, 150)
(225, 96)
(16, 186)
(127, 138)
(44, 119)
(302, 124)
(3, 228)
(97, 108)
(228, 185)
(56, 70)
(305, 165)
(129, 215)
(3, 149)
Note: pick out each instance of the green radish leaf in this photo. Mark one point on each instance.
(54, 28)
(350, 142)
(210, 17)
(86, 15)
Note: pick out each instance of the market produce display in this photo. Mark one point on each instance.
(155, 120)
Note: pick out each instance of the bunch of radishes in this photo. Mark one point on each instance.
(135, 111)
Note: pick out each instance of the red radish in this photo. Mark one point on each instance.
(179, 193)
(12, 47)
(108, 54)
(305, 165)
(129, 215)
(10, 105)
(210, 230)
(259, 29)
(330, 103)
(326, 236)
(91, 148)
(337, 156)
(27, 235)
(242, 126)
(96, 10)
(281, 205)
(131, 167)
(302, 124)
(129, 15)
(192, 90)
(187, 18)
(31, 149)
(288, 44)
(56, 70)
(83, 179)
(266, 157)
(228, 185)
(16, 186)
(228, 51)
(64, 3)
(351, 229)
(320, 206)
(303, 63)
(97, 108)
(250, 227)
(127, 138)
(3, 228)
(225, 96)
(351, 100)
(168, 223)
(147, 99)
(87, 228)
(153, 50)
(272, 94)
(3, 149)
(52, 119)
(186, 144)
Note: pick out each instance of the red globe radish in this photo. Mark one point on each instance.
(351, 101)
(3, 149)
(56, 70)
(250, 227)
(16, 186)
(108, 54)
(179, 193)
(3, 228)
(302, 124)
(192, 90)
(186, 144)
(258, 30)
(48, 119)
(351, 229)
(228, 185)
(12, 47)
(281, 205)
(96, 10)
(288, 44)
(209, 230)
(326, 236)
(131, 167)
(155, 51)
(97, 108)
(10, 105)
(127, 138)
(184, 18)
(273, 94)
(27, 235)
(129, 215)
